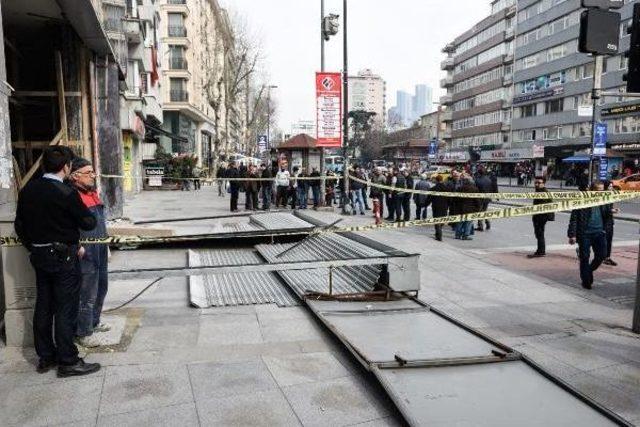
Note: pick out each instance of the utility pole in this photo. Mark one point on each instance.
(595, 97)
(322, 36)
(345, 110)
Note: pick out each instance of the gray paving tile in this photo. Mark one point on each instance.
(178, 415)
(268, 408)
(141, 387)
(337, 402)
(171, 316)
(625, 377)
(286, 331)
(229, 330)
(46, 404)
(214, 380)
(160, 337)
(381, 422)
(304, 368)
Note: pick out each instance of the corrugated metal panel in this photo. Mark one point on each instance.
(237, 288)
(325, 247)
(278, 221)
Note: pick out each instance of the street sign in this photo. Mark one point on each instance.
(263, 143)
(585, 110)
(603, 169)
(433, 148)
(329, 109)
(600, 139)
(621, 110)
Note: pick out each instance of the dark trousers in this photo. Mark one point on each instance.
(439, 232)
(196, 184)
(282, 195)
(57, 301)
(235, 193)
(538, 229)
(609, 242)
(421, 211)
(315, 191)
(293, 195)
(365, 198)
(252, 199)
(266, 197)
(391, 206)
(597, 242)
(406, 206)
(484, 206)
(398, 201)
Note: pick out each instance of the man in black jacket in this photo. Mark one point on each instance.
(439, 204)
(234, 185)
(587, 228)
(540, 220)
(48, 219)
(485, 185)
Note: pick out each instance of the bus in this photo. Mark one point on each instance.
(334, 163)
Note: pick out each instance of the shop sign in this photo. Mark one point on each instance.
(154, 175)
(600, 139)
(537, 95)
(459, 156)
(603, 169)
(621, 110)
(626, 147)
(507, 155)
(538, 151)
(585, 110)
(329, 109)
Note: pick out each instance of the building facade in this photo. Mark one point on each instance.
(479, 81)
(195, 45)
(368, 92)
(422, 101)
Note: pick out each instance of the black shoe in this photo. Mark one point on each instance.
(80, 368)
(536, 255)
(610, 262)
(45, 366)
(488, 227)
(479, 229)
(586, 285)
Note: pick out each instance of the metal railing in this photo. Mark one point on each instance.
(179, 95)
(177, 31)
(177, 64)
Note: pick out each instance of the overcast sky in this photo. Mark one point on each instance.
(401, 40)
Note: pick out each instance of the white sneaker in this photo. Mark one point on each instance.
(102, 327)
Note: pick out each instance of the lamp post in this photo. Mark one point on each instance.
(345, 109)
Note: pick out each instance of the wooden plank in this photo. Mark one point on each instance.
(16, 175)
(42, 94)
(36, 165)
(61, 102)
(84, 104)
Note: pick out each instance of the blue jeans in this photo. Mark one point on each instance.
(266, 197)
(302, 196)
(356, 197)
(598, 242)
(463, 229)
(94, 284)
(316, 196)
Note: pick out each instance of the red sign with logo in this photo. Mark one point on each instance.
(329, 109)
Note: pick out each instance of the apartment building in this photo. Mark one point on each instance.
(196, 41)
(553, 83)
(479, 82)
(368, 92)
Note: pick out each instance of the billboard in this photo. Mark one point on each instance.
(329, 109)
(600, 139)
(263, 143)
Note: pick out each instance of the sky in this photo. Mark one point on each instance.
(401, 40)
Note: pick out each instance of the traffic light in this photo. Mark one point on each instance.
(330, 26)
(599, 32)
(632, 77)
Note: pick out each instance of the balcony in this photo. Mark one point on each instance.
(177, 64)
(447, 134)
(447, 64)
(132, 30)
(446, 82)
(508, 58)
(176, 6)
(152, 107)
(446, 99)
(449, 48)
(506, 104)
(507, 80)
(446, 116)
(177, 31)
(179, 95)
(112, 25)
(512, 11)
(509, 34)
(506, 127)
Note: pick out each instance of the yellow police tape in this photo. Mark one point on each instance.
(544, 195)
(511, 212)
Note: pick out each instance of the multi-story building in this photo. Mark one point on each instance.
(132, 29)
(553, 82)
(196, 42)
(422, 101)
(404, 108)
(368, 92)
(479, 81)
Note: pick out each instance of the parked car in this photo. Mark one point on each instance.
(631, 182)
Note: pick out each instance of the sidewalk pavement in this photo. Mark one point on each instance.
(263, 365)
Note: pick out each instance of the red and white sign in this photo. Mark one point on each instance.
(329, 109)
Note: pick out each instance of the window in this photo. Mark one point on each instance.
(552, 132)
(528, 110)
(587, 71)
(553, 106)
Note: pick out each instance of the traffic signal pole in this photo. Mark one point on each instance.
(595, 96)
(345, 113)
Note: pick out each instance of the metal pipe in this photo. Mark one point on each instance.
(595, 96)
(345, 110)
(331, 280)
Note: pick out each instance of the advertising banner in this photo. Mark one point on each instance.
(263, 143)
(329, 109)
(600, 140)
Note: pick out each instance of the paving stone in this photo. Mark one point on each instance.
(267, 408)
(141, 387)
(625, 377)
(177, 415)
(45, 404)
(177, 316)
(341, 401)
(229, 330)
(286, 331)
(304, 368)
(381, 422)
(214, 380)
(160, 337)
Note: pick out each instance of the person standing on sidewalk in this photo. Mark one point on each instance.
(406, 197)
(303, 189)
(439, 204)
(485, 185)
(282, 187)
(265, 187)
(251, 188)
(234, 185)
(421, 199)
(356, 189)
(377, 193)
(315, 186)
(222, 187)
(467, 206)
(587, 228)
(608, 228)
(94, 279)
(540, 220)
(49, 216)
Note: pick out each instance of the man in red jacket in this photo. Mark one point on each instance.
(93, 262)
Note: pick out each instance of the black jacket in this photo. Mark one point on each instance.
(50, 211)
(233, 173)
(266, 174)
(439, 204)
(580, 218)
(547, 217)
(466, 206)
(315, 182)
